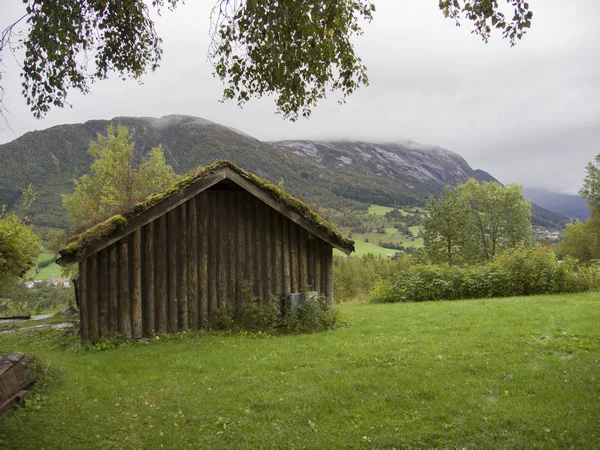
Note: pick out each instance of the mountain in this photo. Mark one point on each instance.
(335, 175)
(572, 206)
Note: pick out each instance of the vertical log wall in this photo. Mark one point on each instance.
(176, 272)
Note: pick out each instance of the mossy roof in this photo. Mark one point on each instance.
(78, 245)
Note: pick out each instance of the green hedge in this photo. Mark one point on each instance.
(520, 271)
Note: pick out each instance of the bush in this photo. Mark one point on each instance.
(520, 271)
(354, 277)
(254, 315)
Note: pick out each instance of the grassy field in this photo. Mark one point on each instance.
(46, 273)
(497, 373)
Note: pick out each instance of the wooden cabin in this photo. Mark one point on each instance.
(173, 261)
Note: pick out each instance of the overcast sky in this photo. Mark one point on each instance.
(528, 114)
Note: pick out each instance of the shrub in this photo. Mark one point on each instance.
(519, 271)
(354, 277)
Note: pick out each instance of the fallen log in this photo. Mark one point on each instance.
(17, 317)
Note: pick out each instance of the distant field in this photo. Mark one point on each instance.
(379, 210)
(514, 373)
(415, 229)
(46, 273)
(417, 243)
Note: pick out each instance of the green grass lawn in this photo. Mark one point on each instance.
(46, 273)
(363, 248)
(496, 373)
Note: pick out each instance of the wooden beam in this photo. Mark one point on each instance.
(232, 202)
(124, 291)
(277, 254)
(303, 257)
(268, 272)
(259, 251)
(329, 267)
(294, 269)
(192, 265)
(113, 290)
(103, 289)
(182, 268)
(136, 284)
(148, 312)
(287, 280)
(84, 320)
(161, 276)
(93, 297)
(172, 230)
(241, 268)
(223, 249)
(203, 256)
(250, 244)
(213, 257)
(317, 267)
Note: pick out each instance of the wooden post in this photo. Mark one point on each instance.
(84, 324)
(329, 266)
(268, 270)
(303, 257)
(317, 268)
(148, 287)
(161, 275)
(324, 272)
(172, 269)
(103, 289)
(250, 247)
(213, 257)
(182, 268)
(136, 283)
(124, 298)
(192, 265)
(232, 202)
(310, 262)
(277, 254)
(113, 290)
(259, 231)
(240, 268)
(203, 266)
(223, 249)
(93, 297)
(287, 279)
(294, 270)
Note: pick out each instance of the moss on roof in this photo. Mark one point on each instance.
(76, 245)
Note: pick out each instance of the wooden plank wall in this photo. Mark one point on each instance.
(176, 272)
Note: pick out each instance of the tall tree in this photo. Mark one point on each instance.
(19, 244)
(296, 50)
(444, 234)
(116, 180)
(581, 240)
(499, 216)
(474, 222)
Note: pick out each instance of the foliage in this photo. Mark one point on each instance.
(446, 234)
(475, 221)
(299, 50)
(116, 180)
(354, 277)
(580, 241)
(267, 316)
(295, 50)
(516, 372)
(19, 247)
(43, 298)
(518, 271)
